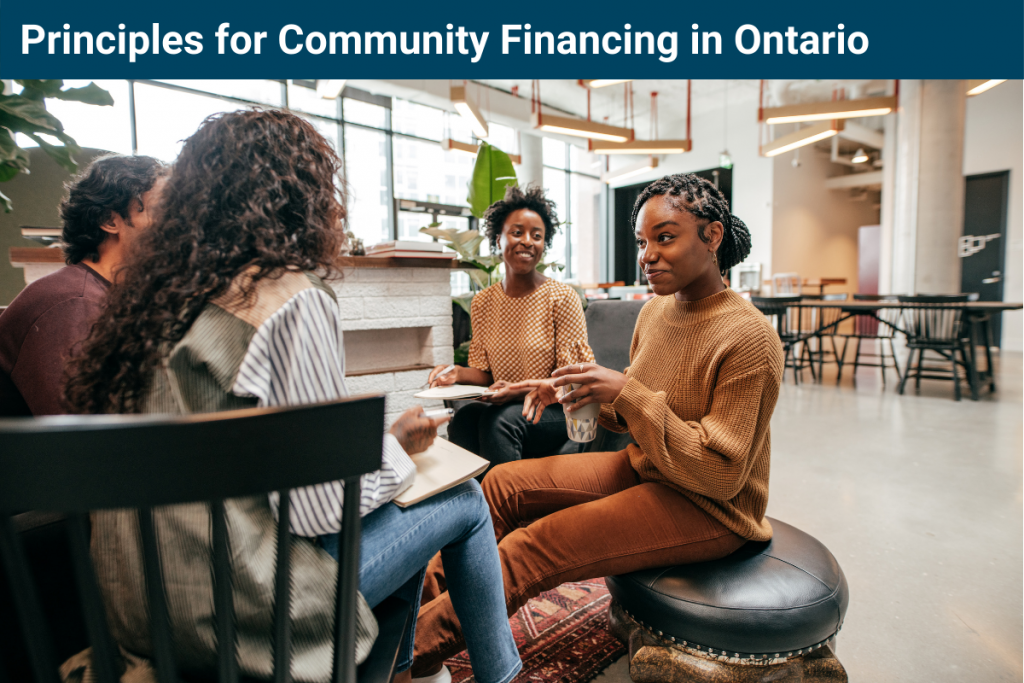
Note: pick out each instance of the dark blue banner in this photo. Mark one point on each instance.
(464, 39)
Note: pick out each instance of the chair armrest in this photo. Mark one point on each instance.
(392, 618)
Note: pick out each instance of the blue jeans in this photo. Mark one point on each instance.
(398, 543)
(500, 433)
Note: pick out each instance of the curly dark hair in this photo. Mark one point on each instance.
(250, 188)
(516, 198)
(110, 184)
(693, 194)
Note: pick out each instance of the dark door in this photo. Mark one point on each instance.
(984, 245)
(625, 266)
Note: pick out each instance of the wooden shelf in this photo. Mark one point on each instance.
(21, 255)
(381, 371)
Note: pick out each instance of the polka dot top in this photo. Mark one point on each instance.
(520, 338)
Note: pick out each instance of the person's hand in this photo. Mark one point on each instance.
(542, 393)
(505, 392)
(447, 379)
(415, 431)
(600, 385)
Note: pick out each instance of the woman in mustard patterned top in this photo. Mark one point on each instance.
(523, 328)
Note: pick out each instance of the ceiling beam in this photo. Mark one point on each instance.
(848, 182)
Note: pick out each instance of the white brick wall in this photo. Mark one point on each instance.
(391, 299)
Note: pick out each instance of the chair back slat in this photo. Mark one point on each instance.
(344, 667)
(37, 637)
(283, 591)
(156, 597)
(224, 605)
(929, 321)
(105, 660)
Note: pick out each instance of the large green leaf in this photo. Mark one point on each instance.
(32, 112)
(35, 89)
(6, 201)
(8, 148)
(8, 170)
(90, 94)
(481, 278)
(60, 154)
(447, 234)
(492, 173)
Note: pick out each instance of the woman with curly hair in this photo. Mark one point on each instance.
(222, 306)
(523, 328)
(704, 375)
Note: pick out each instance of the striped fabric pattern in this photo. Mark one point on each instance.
(296, 356)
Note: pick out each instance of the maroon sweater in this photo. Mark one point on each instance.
(38, 333)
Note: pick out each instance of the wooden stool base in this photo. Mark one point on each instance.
(655, 659)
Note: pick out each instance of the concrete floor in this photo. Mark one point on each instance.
(920, 500)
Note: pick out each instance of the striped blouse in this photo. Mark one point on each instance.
(296, 356)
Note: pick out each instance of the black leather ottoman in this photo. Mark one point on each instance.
(768, 612)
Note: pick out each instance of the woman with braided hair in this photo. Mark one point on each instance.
(704, 375)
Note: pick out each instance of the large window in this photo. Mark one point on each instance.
(571, 181)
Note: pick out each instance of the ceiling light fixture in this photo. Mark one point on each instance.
(468, 110)
(826, 111)
(641, 147)
(976, 87)
(450, 145)
(804, 136)
(860, 157)
(601, 83)
(330, 90)
(580, 128)
(649, 164)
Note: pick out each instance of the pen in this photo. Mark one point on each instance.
(439, 412)
(443, 372)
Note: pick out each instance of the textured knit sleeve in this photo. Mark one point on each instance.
(709, 457)
(571, 345)
(297, 357)
(478, 310)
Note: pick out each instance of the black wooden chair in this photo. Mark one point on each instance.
(932, 326)
(824, 322)
(71, 465)
(789, 322)
(881, 330)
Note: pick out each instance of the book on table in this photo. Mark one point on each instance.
(454, 392)
(439, 468)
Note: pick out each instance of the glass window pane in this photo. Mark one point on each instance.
(554, 153)
(366, 114)
(582, 160)
(165, 117)
(426, 172)
(106, 128)
(459, 129)
(329, 129)
(366, 169)
(416, 119)
(502, 137)
(584, 198)
(254, 90)
(410, 222)
(554, 188)
(301, 98)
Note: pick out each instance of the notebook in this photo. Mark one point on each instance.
(438, 469)
(454, 392)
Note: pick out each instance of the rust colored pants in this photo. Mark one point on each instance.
(571, 518)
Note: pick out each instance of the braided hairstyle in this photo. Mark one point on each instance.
(693, 194)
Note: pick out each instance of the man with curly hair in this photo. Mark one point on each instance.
(105, 209)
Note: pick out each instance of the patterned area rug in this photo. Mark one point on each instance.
(562, 636)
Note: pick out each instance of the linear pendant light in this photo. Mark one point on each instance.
(603, 83)
(450, 145)
(802, 137)
(641, 147)
(976, 87)
(623, 172)
(468, 110)
(580, 128)
(826, 111)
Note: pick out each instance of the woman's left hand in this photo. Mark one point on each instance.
(599, 385)
(503, 393)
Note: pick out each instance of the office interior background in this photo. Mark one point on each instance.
(918, 496)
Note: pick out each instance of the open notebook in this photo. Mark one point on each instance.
(454, 391)
(438, 469)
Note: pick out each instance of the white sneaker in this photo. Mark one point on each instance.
(442, 676)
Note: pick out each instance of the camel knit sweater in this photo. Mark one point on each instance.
(703, 380)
